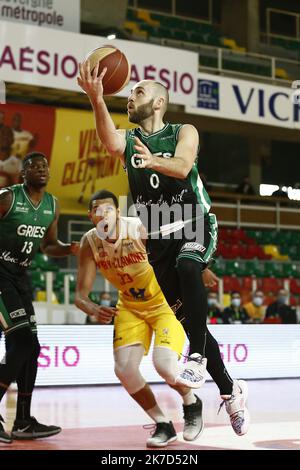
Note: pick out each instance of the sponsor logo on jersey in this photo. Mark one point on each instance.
(192, 246)
(7, 256)
(17, 313)
(128, 244)
(22, 209)
(32, 231)
(47, 212)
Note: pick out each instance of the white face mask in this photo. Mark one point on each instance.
(105, 302)
(258, 301)
(236, 302)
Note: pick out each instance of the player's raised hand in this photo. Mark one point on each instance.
(144, 154)
(89, 81)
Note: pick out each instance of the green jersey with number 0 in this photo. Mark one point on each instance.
(149, 187)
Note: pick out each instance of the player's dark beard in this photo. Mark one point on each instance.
(143, 112)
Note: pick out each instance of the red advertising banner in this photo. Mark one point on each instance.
(23, 129)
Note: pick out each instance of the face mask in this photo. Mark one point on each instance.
(212, 302)
(105, 303)
(282, 299)
(236, 302)
(258, 301)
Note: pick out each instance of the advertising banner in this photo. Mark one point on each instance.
(47, 13)
(83, 354)
(242, 100)
(23, 129)
(39, 56)
(80, 164)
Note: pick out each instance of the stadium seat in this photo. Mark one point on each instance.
(270, 284)
(247, 283)
(218, 268)
(43, 262)
(294, 286)
(41, 296)
(253, 268)
(234, 268)
(231, 283)
(273, 251)
(38, 280)
(290, 270)
(272, 270)
(61, 297)
(59, 281)
(94, 296)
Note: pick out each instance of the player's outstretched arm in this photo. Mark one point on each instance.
(113, 139)
(86, 276)
(54, 247)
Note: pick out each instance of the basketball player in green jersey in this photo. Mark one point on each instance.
(28, 220)
(161, 161)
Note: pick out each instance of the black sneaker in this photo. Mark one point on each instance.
(193, 421)
(163, 434)
(32, 429)
(4, 437)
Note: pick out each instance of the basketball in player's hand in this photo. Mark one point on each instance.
(118, 68)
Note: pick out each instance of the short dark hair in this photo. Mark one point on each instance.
(103, 194)
(32, 155)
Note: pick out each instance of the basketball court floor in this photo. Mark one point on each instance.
(106, 418)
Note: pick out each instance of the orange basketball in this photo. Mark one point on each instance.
(118, 68)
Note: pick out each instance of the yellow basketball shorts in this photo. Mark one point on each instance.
(137, 328)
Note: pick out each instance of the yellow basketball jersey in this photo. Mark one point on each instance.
(125, 265)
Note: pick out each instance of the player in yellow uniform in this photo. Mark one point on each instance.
(115, 246)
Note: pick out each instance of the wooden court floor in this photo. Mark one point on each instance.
(106, 418)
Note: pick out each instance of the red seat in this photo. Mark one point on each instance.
(237, 235)
(247, 282)
(272, 320)
(250, 252)
(223, 234)
(270, 284)
(261, 254)
(294, 286)
(231, 283)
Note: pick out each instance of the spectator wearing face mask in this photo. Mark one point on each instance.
(214, 312)
(280, 311)
(235, 313)
(106, 301)
(256, 309)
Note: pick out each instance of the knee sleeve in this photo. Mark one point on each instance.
(127, 363)
(166, 364)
